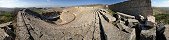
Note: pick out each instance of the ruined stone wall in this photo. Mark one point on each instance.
(133, 7)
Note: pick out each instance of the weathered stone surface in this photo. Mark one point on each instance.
(21, 30)
(148, 34)
(132, 22)
(85, 23)
(3, 34)
(81, 28)
(67, 17)
(88, 24)
(133, 7)
(151, 19)
(5, 24)
(107, 16)
(166, 32)
(112, 32)
(125, 15)
(6, 31)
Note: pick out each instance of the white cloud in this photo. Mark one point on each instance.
(162, 3)
(1, 1)
(9, 3)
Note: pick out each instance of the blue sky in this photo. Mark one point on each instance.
(160, 3)
(59, 3)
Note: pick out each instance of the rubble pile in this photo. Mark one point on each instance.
(143, 30)
(7, 31)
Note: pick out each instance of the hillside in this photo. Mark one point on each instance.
(6, 9)
(5, 17)
(7, 14)
(161, 14)
(160, 10)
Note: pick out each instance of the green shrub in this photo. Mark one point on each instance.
(162, 18)
(111, 12)
(5, 17)
(38, 11)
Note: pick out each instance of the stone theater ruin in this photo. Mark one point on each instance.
(132, 20)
